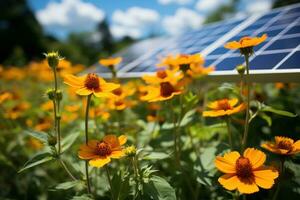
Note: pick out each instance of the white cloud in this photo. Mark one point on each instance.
(258, 6)
(209, 5)
(180, 2)
(183, 20)
(70, 15)
(133, 22)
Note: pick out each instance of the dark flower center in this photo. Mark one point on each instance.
(92, 82)
(243, 169)
(166, 89)
(119, 103)
(285, 144)
(118, 91)
(161, 74)
(224, 104)
(103, 149)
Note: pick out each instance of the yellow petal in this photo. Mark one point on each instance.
(84, 92)
(256, 157)
(122, 139)
(247, 188)
(117, 154)
(233, 102)
(229, 181)
(213, 113)
(74, 81)
(99, 162)
(226, 164)
(232, 45)
(265, 178)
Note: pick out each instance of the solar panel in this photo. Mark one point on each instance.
(278, 58)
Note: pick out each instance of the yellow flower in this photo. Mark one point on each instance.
(110, 62)
(162, 92)
(5, 96)
(245, 42)
(223, 107)
(43, 124)
(13, 73)
(90, 84)
(245, 173)
(99, 153)
(130, 151)
(35, 144)
(47, 106)
(199, 70)
(283, 146)
(119, 103)
(161, 76)
(123, 91)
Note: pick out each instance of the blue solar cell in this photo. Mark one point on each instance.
(293, 30)
(292, 62)
(284, 21)
(218, 51)
(229, 63)
(269, 15)
(294, 10)
(271, 33)
(254, 26)
(287, 43)
(209, 61)
(267, 61)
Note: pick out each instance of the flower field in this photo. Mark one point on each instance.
(68, 134)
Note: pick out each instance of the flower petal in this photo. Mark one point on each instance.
(84, 91)
(117, 154)
(229, 181)
(112, 140)
(247, 188)
(226, 164)
(256, 157)
(122, 139)
(233, 102)
(74, 81)
(99, 162)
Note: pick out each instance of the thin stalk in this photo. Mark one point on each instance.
(246, 130)
(86, 140)
(67, 170)
(227, 119)
(136, 176)
(282, 160)
(110, 183)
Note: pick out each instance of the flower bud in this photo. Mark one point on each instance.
(53, 59)
(51, 94)
(59, 95)
(241, 69)
(52, 140)
(130, 151)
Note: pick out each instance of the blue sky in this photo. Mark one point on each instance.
(135, 18)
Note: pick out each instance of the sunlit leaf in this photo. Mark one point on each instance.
(156, 156)
(68, 185)
(159, 189)
(69, 140)
(278, 112)
(37, 159)
(41, 136)
(267, 118)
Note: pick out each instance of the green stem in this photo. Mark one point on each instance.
(67, 170)
(227, 119)
(86, 140)
(282, 160)
(110, 183)
(246, 130)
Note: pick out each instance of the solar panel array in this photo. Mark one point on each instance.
(279, 54)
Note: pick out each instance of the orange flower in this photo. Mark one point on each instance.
(245, 42)
(99, 153)
(109, 62)
(91, 84)
(245, 173)
(162, 92)
(43, 124)
(223, 107)
(17, 110)
(283, 146)
(161, 76)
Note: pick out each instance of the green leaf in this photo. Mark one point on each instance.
(187, 118)
(69, 140)
(206, 132)
(121, 187)
(278, 112)
(156, 156)
(267, 118)
(82, 197)
(41, 136)
(159, 189)
(37, 159)
(68, 185)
